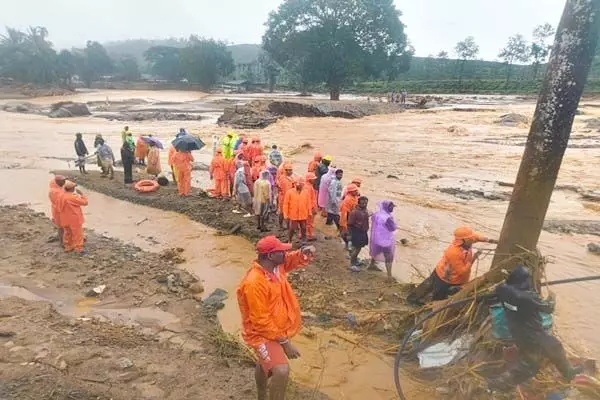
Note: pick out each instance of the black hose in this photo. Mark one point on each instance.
(453, 305)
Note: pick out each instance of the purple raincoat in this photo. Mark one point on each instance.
(324, 188)
(383, 238)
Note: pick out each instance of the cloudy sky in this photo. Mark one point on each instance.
(432, 25)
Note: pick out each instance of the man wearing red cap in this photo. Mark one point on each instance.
(55, 193)
(271, 312)
(454, 268)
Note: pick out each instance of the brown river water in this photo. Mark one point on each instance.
(411, 147)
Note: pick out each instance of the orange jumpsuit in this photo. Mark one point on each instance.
(269, 307)
(348, 204)
(218, 171)
(296, 205)
(71, 219)
(260, 164)
(247, 151)
(182, 160)
(256, 150)
(314, 163)
(172, 152)
(455, 265)
(141, 149)
(55, 194)
(310, 222)
(284, 184)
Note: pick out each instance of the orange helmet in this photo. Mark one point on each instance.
(352, 188)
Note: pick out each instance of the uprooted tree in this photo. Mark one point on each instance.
(334, 41)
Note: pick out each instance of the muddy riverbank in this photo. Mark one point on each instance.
(57, 343)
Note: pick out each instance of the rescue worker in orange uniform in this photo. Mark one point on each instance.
(314, 163)
(271, 312)
(71, 217)
(247, 150)
(218, 173)
(297, 208)
(172, 152)
(310, 222)
(454, 268)
(256, 150)
(284, 183)
(348, 204)
(355, 181)
(260, 164)
(141, 151)
(55, 194)
(182, 160)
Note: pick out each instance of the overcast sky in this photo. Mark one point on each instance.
(432, 25)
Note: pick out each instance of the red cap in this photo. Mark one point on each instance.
(59, 178)
(270, 244)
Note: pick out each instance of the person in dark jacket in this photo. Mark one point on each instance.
(523, 307)
(322, 169)
(128, 159)
(81, 151)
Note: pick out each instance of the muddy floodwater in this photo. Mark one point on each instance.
(442, 168)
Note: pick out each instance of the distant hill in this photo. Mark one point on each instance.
(241, 53)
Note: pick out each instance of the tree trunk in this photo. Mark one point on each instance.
(563, 85)
(508, 71)
(334, 93)
(272, 80)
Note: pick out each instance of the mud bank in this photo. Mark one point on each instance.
(58, 344)
(260, 114)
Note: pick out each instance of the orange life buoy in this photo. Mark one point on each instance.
(146, 186)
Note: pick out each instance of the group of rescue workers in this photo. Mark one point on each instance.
(270, 310)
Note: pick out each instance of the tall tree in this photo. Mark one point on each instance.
(515, 50)
(540, 48)
(205, 60)
(563, 85)
(94, 63)
(334, 41)
(165, 62)
(465, 50)
(66, 66)
(127, 69)
(270, 68)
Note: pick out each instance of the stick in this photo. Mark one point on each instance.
(141, 222)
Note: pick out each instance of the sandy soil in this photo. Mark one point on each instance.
(139, 339)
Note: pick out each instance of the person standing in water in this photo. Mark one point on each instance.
(271, 313)
(383, 239)
(81, 151)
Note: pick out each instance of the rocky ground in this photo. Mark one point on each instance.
(328, 291)
(145, 335)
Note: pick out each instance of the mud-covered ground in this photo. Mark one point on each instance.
(328, 291)
(141, 338)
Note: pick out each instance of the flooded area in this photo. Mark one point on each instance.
(405, 157)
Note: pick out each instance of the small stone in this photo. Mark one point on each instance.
(392, 177)
(62, 365)
(197, 288)
(308, 314)
(594, 248)
(124, 363)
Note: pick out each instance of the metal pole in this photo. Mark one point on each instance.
(568, 68)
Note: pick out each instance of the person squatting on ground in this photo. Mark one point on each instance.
(383, 238)
(82, 152)
(55, 195)
(523, 308)
(271, 312)
(358, 230)
(182, 161)
(334, 198)
(297, 209)
(154, 167)
(218, 173)
(262, 200)
(71, 217)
